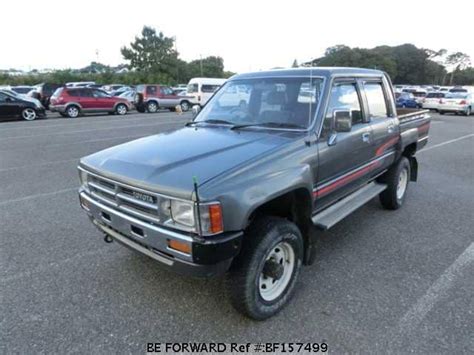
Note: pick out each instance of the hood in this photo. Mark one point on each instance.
(167, 162)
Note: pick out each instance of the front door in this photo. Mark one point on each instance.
(9, 106)
(343, 156)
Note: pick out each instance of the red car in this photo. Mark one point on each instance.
(150, 98)
(72, 102)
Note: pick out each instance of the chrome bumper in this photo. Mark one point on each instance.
(208, 258)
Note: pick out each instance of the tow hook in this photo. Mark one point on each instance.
(108, 238)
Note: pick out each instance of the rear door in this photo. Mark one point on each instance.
(385, 131)
(167, 97)
(102, 100)
(343, 156)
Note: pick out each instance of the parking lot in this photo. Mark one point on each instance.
(400, 281)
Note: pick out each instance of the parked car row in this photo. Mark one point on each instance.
(78, 98)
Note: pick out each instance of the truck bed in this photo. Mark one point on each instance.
(414, 126)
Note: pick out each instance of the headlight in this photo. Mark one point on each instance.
(182, 212)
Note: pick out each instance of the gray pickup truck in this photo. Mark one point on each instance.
(246, 187)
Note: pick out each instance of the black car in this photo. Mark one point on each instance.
(14, 106)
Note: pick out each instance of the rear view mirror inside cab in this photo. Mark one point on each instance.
(342, 120)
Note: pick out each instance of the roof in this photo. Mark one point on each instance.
(307, 71)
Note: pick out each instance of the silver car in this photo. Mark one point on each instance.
(457, 103)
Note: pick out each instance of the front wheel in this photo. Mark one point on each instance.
(397, 179)
(121, 110)
(29, 114)
(262, 278)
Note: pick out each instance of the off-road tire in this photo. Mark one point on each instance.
(389, 197)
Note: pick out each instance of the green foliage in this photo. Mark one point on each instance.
(406, 64)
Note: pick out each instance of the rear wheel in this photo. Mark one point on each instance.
(29, 114)
(262, 278)
(467, 112)
(72, 111)
(397, 179)
(152, 107)
(121, 109)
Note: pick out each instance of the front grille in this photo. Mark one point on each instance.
(139, 203)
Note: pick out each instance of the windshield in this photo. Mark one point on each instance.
(192, 88)
(456, 96)
(289, 102)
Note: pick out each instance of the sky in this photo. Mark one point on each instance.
(249, 35)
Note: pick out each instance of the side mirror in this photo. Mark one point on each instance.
(196, 110)
(342, 120)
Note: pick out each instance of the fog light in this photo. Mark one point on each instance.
(179, 246)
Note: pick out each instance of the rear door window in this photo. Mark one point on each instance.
(209, 88)
(375, 99)
(151, 90)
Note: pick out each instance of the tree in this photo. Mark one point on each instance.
(152, 53)
(212, 67)
(458, 61)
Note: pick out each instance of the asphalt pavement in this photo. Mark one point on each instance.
(384, 281)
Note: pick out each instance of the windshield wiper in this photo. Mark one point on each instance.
(269, 124)
(212, 121)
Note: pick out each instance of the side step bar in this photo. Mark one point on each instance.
(341, 209)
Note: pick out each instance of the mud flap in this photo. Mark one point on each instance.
(413, 168)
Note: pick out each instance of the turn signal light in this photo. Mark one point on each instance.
(215, 219)
(179, 246)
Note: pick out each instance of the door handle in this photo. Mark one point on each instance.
(366, 137)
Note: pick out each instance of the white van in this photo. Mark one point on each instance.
(201, 89)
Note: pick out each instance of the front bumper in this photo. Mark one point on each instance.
(209, 256)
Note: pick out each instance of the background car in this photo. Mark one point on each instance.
(43, 92)
(431, 101)
(72, 102)
(129, 95)
(406, 100)
(22, 89)
(14, 105)
(150, 98)
(457, 102)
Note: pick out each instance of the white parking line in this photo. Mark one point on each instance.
(31, 197)
(447, 142)
(438, 289)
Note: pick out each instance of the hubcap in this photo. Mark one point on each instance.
(184, 106)
(277, 271)
(152, 107)
(29, 114)
(122, 110)
(402, 183)
(73, 112)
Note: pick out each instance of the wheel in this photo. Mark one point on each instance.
(152, 107)
(140, 109)
(441, 112)
(72, 111)
(404, 106)
(467, 112)
(263, 276)
(121, 109)
(397, 179)
(29, 114)
(185, 106)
